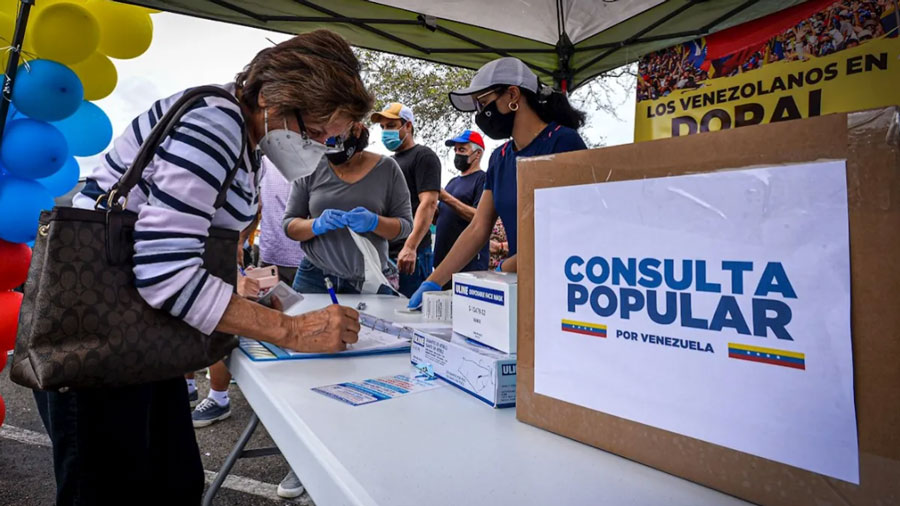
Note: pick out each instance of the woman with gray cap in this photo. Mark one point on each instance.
(510, 102)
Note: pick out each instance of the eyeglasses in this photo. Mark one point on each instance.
(333, 144)
(478, 106)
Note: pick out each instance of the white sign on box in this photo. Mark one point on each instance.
(714, 305)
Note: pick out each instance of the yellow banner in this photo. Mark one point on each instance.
(862, 77)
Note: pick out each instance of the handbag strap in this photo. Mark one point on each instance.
(160, 131)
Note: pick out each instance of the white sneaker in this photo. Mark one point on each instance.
(290, 487)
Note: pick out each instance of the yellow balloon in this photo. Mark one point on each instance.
(8, 15)
(9, 7)
(98, 76)
(125, 32)
(65, 32)
(7, 26)
(40, 5)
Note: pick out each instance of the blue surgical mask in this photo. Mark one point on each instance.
(391, 139)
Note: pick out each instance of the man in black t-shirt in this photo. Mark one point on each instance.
(422, 169)
(460, 198)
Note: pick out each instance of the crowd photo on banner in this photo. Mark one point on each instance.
(834, 27)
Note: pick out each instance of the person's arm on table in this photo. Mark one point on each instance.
(406, 260)
(466, 247)
(509, 264)
(323, 331)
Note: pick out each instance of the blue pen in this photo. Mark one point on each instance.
(330, 286)
(241, 268)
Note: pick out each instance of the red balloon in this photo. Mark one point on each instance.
(2, 411)
(14, 267)
(10, 302)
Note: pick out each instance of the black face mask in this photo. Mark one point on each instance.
(495, 125)
(352, 145)
(461, 162)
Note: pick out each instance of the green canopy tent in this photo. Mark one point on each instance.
(566, 42)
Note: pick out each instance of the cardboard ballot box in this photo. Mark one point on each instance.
(483, 372)
(723, 307)
(485, 305)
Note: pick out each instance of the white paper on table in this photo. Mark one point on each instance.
(374, 276)
(357, 393)
(370, 340)
(796, 215)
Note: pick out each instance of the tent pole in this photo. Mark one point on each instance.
(13, 65)
(564, 51)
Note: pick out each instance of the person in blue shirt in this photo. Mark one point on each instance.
(459, 200)
(510, 103)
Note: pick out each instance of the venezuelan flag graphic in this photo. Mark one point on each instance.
(771, 356)
(588, 329)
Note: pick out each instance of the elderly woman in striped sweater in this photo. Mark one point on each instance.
(136, 444)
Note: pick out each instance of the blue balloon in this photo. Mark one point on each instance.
(21, 202)
(33, 149)
(12, 113)
(47, 90)
(88, 131)
(63, 180)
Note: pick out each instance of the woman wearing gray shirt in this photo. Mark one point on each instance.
(350, 190)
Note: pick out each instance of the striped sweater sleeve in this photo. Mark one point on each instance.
(185, 178)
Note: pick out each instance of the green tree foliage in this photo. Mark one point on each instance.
(423, 86)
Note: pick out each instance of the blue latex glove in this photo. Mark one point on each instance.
(427, 286)
(361, 220)
(331, 219)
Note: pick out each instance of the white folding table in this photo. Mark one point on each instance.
(439, 447)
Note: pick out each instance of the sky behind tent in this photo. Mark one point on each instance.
(190, 51)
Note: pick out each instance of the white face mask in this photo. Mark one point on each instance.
(292, 153)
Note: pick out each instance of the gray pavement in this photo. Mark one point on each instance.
(26, 463)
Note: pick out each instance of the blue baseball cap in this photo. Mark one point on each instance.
(466, 136)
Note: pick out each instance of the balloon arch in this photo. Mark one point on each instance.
(58, 57)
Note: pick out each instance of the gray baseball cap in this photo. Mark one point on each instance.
(506, 71)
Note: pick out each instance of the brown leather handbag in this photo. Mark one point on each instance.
(83, 323)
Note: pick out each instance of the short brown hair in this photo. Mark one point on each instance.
(315, 73)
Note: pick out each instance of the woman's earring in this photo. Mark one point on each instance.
(514, 106)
